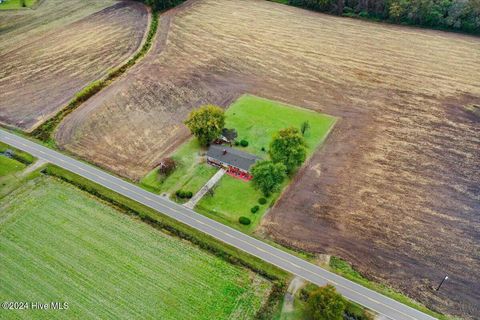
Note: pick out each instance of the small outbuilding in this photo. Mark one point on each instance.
(237, 163)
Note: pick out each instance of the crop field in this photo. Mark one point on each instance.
(395, 188)
(60, 244)
(45, 62)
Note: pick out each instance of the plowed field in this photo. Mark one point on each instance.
(395, 190)
(49, 54)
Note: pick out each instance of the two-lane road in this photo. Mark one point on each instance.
(310, 272)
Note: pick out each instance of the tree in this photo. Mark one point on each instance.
(206, 123)
(268, 176)
(325, 304)
(162, 4)
(288, 147)
(166, 166)
(304, 127)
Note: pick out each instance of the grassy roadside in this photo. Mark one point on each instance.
(45, 131)
(344, 269)
(18, 155)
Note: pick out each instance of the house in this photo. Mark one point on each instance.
(237, 163)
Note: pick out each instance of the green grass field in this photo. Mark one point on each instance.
(60, 244)
(257, 120)
(234, 198)
(9, 166)
(190, 175)
(16, 4)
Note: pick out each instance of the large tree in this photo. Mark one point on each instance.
(206, 123)
(288, 147)
(325, 304)
(163, 4)
(268, 176)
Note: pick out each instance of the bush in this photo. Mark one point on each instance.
(244, 143)
(188, 194)
(262, 200)
(236, 143)
(263, 149)
(166, 166)
(255, 209)
(182, 194)
(244, 220)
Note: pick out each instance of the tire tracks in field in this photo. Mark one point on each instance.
(70, 124)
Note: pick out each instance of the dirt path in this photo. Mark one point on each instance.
(33, 167)
(296, 284)
(209, 185)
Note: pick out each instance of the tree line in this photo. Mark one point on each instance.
(461, 15)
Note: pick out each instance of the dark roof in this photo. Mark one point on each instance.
(232, 156)
(230, 134)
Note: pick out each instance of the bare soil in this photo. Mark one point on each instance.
(46, 61)
(395, 189)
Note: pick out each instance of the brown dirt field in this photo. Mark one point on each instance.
(49, 54)
(395, 190)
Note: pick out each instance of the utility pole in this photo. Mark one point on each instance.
(443, 280)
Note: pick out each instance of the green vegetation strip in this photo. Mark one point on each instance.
(59, 244)
(45, 131)
(9, 166)
(17, 4)
(18, 155)
(183, 231)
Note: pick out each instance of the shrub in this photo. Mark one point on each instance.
(325, 303)
(236, 143)
(262, 200)
(182, 194)
(166, 166)
(255, 209)
(263, 149)
(188, 194)
(244, 220)
(244, 143)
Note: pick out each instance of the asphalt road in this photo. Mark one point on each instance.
(310, 272)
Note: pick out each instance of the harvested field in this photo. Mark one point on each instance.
(51, 53)
(60, 244)
(395, 190)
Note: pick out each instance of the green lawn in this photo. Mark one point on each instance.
(9, 166)
(18, 155)
(257, 120)
(16, 4)
(190, 175)
(233, 198)
(60, 244)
